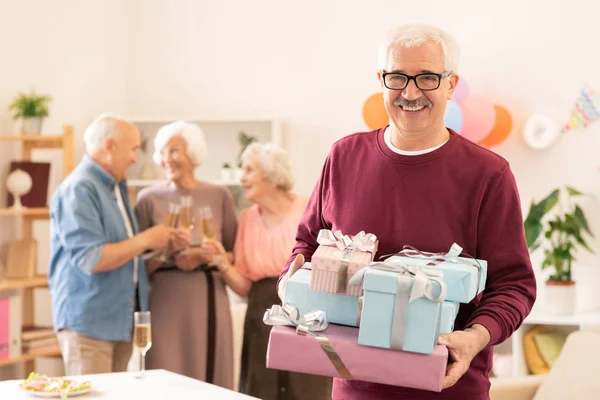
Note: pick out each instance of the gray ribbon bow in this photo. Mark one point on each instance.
(451, 256)
(307, 324)
(362, 242)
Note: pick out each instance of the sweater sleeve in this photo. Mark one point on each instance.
(312, 220)
(511, 288)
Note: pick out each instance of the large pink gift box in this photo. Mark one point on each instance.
(290, 351)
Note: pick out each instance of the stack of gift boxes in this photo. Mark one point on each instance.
(348, 316)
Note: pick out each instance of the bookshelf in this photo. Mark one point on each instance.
(28, 216)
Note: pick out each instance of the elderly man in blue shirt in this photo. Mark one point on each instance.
(97, 276)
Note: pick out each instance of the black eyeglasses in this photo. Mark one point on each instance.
(425, 82)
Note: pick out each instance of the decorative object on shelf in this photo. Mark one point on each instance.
(21, 258)
(40, 176)
(31, 109)
(542, 131)
(226, 172)
(562, 234)
(18, 183)
(245, 140)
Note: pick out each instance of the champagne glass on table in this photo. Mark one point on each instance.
(142, 336)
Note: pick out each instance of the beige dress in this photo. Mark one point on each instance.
(191, 319)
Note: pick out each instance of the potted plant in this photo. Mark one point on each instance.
(31, 109)
(245, 140)
(561, 234)
(226, 175)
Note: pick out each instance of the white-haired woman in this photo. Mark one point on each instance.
(191, 319)
(265, 238)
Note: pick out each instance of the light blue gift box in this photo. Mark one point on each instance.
(339, 308)
(420, 326)
(449, 313)
(460, 274)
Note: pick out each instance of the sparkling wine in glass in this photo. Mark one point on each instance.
(142, 336)
(186, 218)
(207, 225)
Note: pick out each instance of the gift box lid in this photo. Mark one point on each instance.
(460, 271)
(386, 282)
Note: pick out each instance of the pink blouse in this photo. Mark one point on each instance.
(261, 251)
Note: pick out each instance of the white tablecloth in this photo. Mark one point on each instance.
(158, 384)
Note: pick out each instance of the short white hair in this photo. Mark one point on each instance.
(103, 127)
(415, 35)
(275, 163)
(190, 133)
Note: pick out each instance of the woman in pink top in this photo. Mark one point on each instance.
(265, 237)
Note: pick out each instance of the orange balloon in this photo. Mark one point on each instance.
(501, 129)
(374, 113)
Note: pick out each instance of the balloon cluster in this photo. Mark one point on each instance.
(476, 118)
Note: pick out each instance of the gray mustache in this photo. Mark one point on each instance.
(413, 103)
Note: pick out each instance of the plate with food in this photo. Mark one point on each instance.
(45, 386)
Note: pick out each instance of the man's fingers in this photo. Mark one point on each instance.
(453, 374)
(443, 340)
(296, 264)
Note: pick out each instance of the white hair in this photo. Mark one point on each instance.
(414, 36)
(190, 133)
(103, 127)
(274, 161)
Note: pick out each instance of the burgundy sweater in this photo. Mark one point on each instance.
(459, 193)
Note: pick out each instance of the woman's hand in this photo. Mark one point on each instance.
(222, 259)
(181, 239)
(192, 257)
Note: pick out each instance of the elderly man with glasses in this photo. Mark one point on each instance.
(416, 182)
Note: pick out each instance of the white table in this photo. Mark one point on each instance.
(158, 384)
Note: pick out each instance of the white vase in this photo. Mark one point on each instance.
(561, 297)
(31, 126)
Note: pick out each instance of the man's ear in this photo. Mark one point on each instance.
(109, 144)
(453, 79)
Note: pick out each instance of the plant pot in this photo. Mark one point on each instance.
(226, 174)
(561, 297)
(31, 126)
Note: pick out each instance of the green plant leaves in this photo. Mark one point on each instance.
(29, 106)
(563, 233)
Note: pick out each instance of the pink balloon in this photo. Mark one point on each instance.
(479, 116)
(461, 91)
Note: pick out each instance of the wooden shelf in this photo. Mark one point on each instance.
(37, 142)
(32, 355)
(37, 212)
(24, 283)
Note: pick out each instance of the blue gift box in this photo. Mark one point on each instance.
(449, 313)
(339, 308)
(417, 326)
(461, 274)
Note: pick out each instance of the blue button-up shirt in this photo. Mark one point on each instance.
(85, 216)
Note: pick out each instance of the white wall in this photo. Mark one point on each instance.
(312, 64)
(76, 51)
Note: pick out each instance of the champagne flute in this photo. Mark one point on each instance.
(207, 225)
(142, 336)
